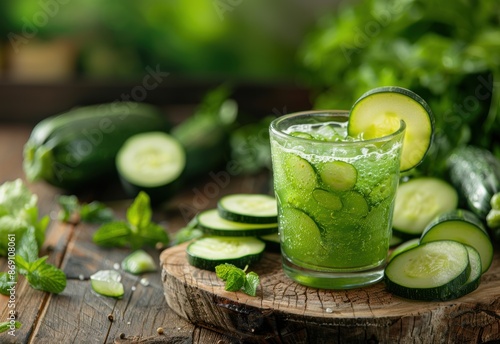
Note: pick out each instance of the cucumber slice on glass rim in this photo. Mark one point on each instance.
(378, 113)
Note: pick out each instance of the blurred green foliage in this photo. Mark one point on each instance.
(449, 53)
(203, 38)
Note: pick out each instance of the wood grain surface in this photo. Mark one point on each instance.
(286, 312)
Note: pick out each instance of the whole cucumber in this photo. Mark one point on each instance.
(78, 147)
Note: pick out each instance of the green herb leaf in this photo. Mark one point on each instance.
(47, 277)
(23, 266)
(191, 231)
(6, 326)
(232, 275)
(7, 280)
(27, 246)
(111, 234)
(69, 206)
(251, 283)
(236, 279)
(93, 212)
(139, 213)
(96, 212)
(151, 235)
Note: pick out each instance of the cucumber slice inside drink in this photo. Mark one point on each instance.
(338, 175)
(378, 113)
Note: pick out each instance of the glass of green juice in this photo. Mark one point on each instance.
(335, 198)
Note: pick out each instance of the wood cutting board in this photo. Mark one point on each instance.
(286, 312)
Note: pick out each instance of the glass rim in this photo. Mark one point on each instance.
(277, 132)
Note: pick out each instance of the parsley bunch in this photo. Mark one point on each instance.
(237, 279)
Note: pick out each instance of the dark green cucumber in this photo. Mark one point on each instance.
(78, 147)
(475, 172)
(429, 272)
(464, 227)
(209, 251)
(205, 136)
(272, 241)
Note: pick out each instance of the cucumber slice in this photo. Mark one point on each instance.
(299, 172)
(211, 223)
(151, 162)
(248, 208)
(208, 252)
(405, 246)
(327, 199)
(138, 262)
(378, 113)
(272, 242)
(429, 272)
(474, 279)
(355, 204)
(338, 175)
(418, 202)
(301, 237)
(464, 227)
(107, 283)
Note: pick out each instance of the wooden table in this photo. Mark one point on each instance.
(78, 315)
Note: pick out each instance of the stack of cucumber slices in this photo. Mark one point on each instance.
(235, 232)
(445, 263)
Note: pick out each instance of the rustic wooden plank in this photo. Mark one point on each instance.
(284, 309)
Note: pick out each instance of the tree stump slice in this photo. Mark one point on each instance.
(286, 312)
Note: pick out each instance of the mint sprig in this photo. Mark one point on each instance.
(22, 234)
(74, 211)
(237, 279)
(6, 326)
(138, 231)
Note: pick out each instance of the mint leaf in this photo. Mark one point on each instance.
(6, 282)
(234, 276)
(223, 270)
(23, 266)
(96, 212)
(69, 206)
(235, 280)
(251, 282)
(139, 213)
(191, 231)
(150, 236)
(5, 326)
(112, 234)
(27, 246)
(47, 277)
(93, 212)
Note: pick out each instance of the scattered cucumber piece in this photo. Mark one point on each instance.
(138, 262)
(248, 208)
(107, 283)
(209, 251)
(429, 272)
